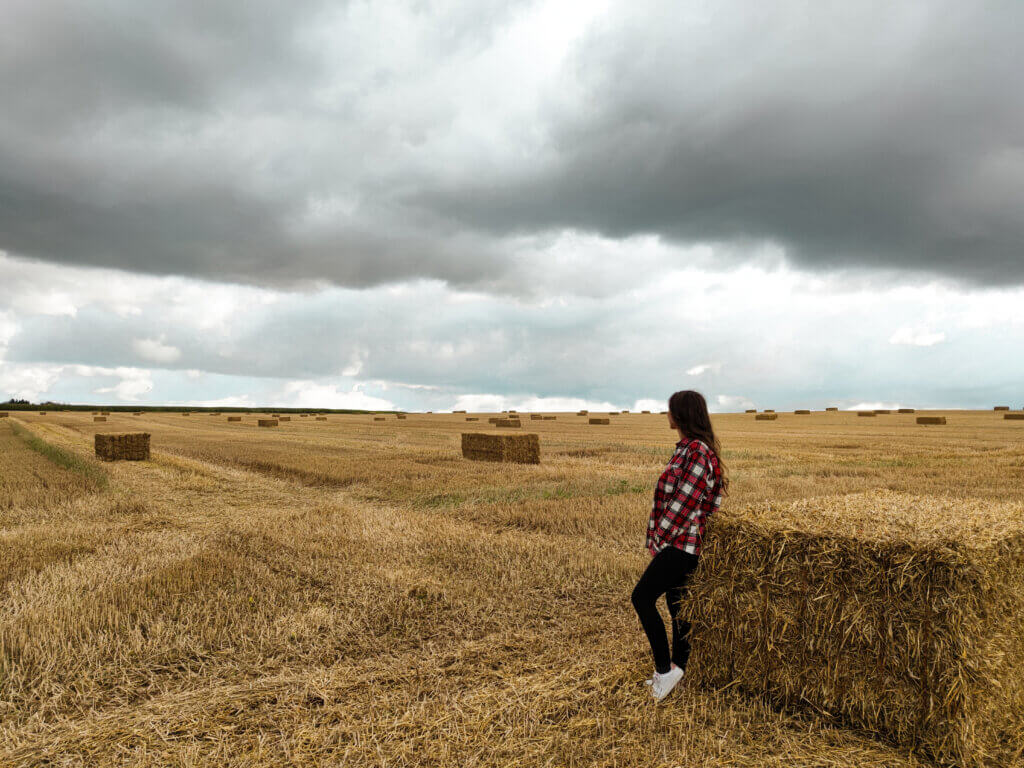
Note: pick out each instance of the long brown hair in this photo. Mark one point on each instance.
(689, 411)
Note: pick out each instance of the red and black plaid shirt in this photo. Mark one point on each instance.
(688, 492)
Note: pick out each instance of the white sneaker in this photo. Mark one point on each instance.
(662, 685)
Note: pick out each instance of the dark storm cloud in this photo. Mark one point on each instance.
(277, 142)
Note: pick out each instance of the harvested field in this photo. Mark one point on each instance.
(230, 602)
(867, 413)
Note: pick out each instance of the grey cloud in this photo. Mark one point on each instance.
(282, 142)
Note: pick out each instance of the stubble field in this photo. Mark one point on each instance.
(351, 592)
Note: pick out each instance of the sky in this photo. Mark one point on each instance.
(539, 205)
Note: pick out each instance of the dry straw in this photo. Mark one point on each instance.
(42, 413)
(494, 419)
(772, 416)
(600, 420)
(872, 611)
(127, 446)
(234, 418)
(521, 449)
(769, 410)
(104, 413)
(582, 413)
(931, 419)
(550, 418)
(266, 422)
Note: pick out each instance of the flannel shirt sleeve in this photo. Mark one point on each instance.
(683, 496)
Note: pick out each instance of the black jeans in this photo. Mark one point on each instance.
(667, 574)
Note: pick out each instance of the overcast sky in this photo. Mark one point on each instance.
(434, 205)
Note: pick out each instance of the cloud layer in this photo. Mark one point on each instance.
(283, 143)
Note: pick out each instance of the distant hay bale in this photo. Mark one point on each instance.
(865, 413)
(266, 422)
(536, 417)
(378, 418)
(873, 611)
(284, 418)
(1014, 416)
(832, 409)
(126, 446)
(186, 414)
(600, 420)
(882, 410)
(321, 418)
(802, 412)
(582, 413)
(766, 416)
(95, 413)
(1001, 408)
(42, 413)
(769, 410)
(99, 418)
(303, 415)
(644, 411)
(399, 415)
(510, 411)
(458, 411)
(137, 413)
(104, 413)
(472, 418)
(751, 410)
(234, 418)
(931, 419)
(521, 449)
(508, 423)
(904, 410)
(550, 418)
(275, 415)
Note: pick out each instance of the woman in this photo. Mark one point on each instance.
(688, 492)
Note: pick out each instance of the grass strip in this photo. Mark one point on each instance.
(61, 457)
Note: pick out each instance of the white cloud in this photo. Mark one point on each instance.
(875, 406)
(650, 405)
(193, 373)
(917, 337)
(155, 350)
(494, 403)
(730, 403)
(29, 382)
(312, 394)
(703, 368)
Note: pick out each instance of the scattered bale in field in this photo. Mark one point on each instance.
(751, 410)
(600, 420)
(266, 422)
(521, 449)
(186, 414)
(882, 410)
(137, 413)
(399, 415)
(1014, 416)
(472, 418)
(769, 410)
(832, 409)
(284, 418)
(865, 413)
(508, 423)
(458, 411)
(931, 419)
(873, 611)
(95, 413)
(905, 410)
(644, 411)
(104, 413)
(321, 418)
(582, 413)
(99, 418)
(378, 418)
(42, 413)
(126, 446)
(766, 416)
(536, 417)
(802, 412)
(550, 418)
(234, 418)
(1001, 408)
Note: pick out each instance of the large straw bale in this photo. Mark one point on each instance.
(904, 410)
(99, 418)
(126, 446)
(866, 413)
(832, 409)
(266, 422)
(458, 411)
(508, 423)
(1014, 416)
(766, 416)
(186, 414)
(536, 417)
(137, 413)
(600, 420)
(802, 412)
(900, 615)
(522, 449)
(234, 418)
(1001, 408)
(931, 419)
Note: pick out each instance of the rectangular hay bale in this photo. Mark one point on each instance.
(536, 417)
(1001, 408)
(873, 611)
(1014, 416)
(99, 418)
(751, 410)
(520, 449)
(378, 418)
(234, 418)
(472, 418)
(126, 446)
(284, 418)
(904, 410)
(508, 423)
(882, 410)
(832, 409)
(550, 418)
(266, 422)
(865, 413)
(600, 420)
(321, 418)
(931, 419)
(766, 417)
(802, 412)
